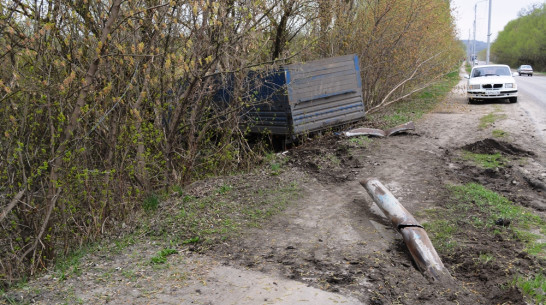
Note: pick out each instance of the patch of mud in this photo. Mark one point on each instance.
(492, 146)
(375, 277)
(326, 158)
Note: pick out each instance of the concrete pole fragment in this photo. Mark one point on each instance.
(414, 235)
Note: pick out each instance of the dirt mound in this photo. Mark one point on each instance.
(520, 182)
(492, 146)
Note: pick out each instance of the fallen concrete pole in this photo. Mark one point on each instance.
(415, 236)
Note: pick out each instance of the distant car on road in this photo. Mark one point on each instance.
(488, 82)
(525, 69)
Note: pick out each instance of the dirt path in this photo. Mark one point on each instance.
(337, 239)
(333, 246)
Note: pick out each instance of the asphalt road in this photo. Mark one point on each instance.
(532, 99)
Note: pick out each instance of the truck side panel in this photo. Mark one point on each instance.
(324, 93)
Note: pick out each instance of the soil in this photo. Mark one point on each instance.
(333, 244)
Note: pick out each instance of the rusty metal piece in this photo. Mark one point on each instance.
(415, 236)
(378, 132)
(400, 128)
(364, 132)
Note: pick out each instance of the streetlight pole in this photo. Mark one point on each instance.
(474, 44)
(469, 55)
(488, 33)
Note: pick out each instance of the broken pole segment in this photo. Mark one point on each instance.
(415, 236)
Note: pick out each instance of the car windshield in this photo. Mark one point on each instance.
(491, 71)
(526, 67)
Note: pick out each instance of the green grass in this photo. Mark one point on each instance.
(122, 243)
(216, 217)
(223, 189)
(360, 141)
(494, 206)
(333, 159)
(178, 189)
(7, 299)
(489, 119)
(536, 248)
(485, 258)
(533, 287)
(129, 274)
(275, 168)
(485, 160)
(474, 205)
(275, 163)
(443, 234)
(192, 240)
(68, 265)
(151, 202)
(271, 205)
(161, 256)
(497, 133)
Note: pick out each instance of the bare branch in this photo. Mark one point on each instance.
(12, 204)
(406, 80)
(43, 228)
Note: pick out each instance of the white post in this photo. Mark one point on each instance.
(488, 33)
(469, 55)
(474, 45)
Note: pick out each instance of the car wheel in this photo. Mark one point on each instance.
(513, 99)
(470, 101)
(530, 74)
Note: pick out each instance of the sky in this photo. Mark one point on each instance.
(502, 12)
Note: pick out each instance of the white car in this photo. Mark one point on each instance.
(491, 82)
(525, 69)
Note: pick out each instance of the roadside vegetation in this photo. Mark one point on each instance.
(498, 133)
(106, 105)
(491, 118)
(418, 104)
(175, 218)
(523, 40)
(485, 160)
(477, 212)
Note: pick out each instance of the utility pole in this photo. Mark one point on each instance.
(469, 55)
(474, 45)
(488, 33)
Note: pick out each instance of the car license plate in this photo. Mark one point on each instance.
(492, 92)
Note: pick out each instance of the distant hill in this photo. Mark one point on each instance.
(480, 45)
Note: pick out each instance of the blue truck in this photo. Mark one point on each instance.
(305, 97)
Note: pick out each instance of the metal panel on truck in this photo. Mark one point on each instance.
(301, 98)
(324, 93)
